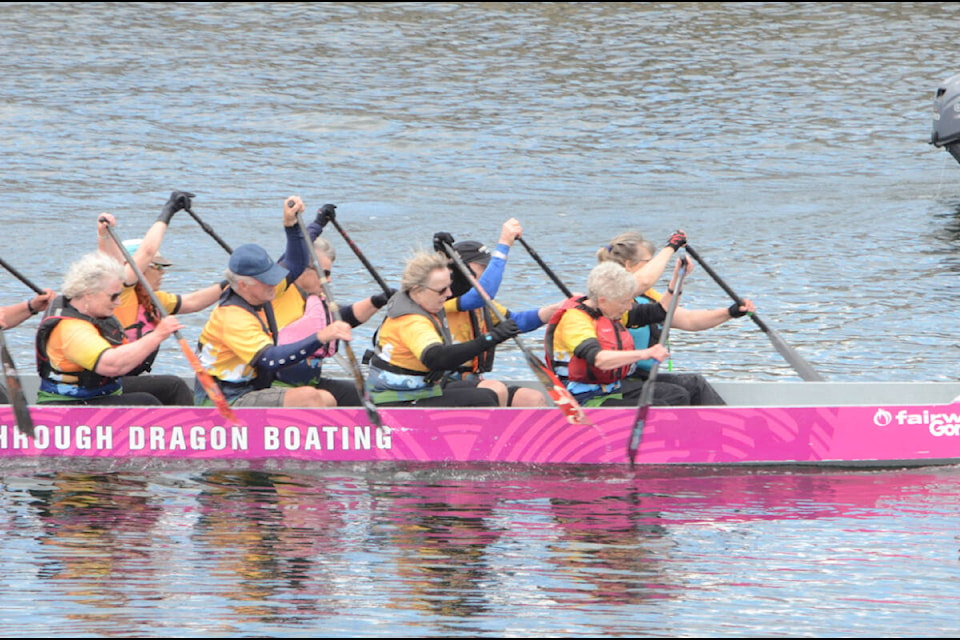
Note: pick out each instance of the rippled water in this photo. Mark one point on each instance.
(790, 141)
(473, 551)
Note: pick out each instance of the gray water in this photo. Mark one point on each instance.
(790, 142)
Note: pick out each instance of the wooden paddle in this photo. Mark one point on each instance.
(646, 393)
(561, 397)
(800, 365)
(209, 230)
(546, 269)
(206, 380)
(21, 411)
(20, 277)
(368, 404)
(329, 213)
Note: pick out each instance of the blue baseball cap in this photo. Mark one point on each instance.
(254, 261)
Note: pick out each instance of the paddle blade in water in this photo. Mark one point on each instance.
(208, 383)
(637, 433)
(21, 411)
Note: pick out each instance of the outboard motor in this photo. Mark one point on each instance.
(946, 116)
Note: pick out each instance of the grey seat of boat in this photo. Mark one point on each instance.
(770, 393)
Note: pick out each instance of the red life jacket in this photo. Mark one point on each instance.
(610, 334)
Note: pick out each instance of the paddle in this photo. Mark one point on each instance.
(328, 213)
(209, 230)
(206, 380)
(21, 412)
(555, 388)
(368, 404)
(646, 393)
(546, 269)
(21, 277)
(800, 365)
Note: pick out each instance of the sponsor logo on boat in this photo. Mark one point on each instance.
(939, 424)
(196, 438)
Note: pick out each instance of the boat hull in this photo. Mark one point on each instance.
(863, 435)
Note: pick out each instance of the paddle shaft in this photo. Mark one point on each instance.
(800, 365)
(21, 277)
(546, 269)
(368, 404)
(363, 258)
(209, 230)
(646, 393)
(539, 369)
(209, 384)
(21, 410)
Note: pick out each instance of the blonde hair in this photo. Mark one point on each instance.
(419, 267)
(626, 247)
(610, 280)
(90, 274)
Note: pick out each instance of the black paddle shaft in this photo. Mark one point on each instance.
(363, 258)
(800, 365)
(546, 269)
(368, 404)
(19, 276)
(646, 393)
(209, 230)
(21, 410)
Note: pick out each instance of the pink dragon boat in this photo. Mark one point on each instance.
(794, 423)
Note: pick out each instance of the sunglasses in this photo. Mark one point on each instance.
(115, 297)
(439, 291)
(158, 267)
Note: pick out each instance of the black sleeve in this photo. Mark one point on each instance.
(440, 357)
(588, 350)
(348, 316)
(277, 356)
(641, 315)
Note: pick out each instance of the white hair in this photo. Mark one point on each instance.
(610, 280)
(90, 274)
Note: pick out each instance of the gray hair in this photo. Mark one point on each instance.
(610, 280)
(626, 247)
(324, 248)
(235, 278)
(90, 274)
(419, 267)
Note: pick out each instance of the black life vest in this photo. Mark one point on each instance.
(83, 383)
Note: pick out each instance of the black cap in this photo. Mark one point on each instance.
(473, 251)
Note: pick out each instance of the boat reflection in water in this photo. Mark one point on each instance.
(449, 542)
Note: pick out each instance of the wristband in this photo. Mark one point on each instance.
(669, 290)
(30, 308)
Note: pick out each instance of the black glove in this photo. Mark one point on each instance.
(178, 200)
(735, 312)
(677, 240)
(503, 331)
(325, 214)
(382, 298)
(439, 239)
